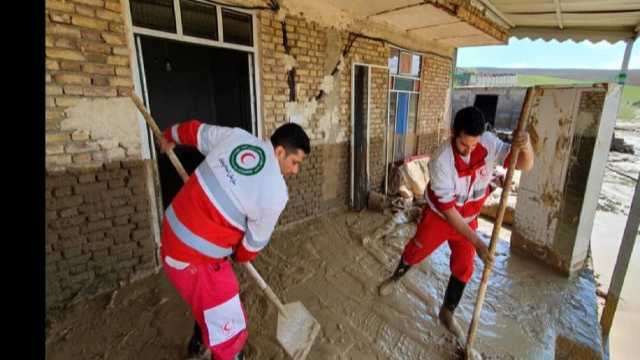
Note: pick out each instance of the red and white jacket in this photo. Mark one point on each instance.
(232, 201)
(464, 183)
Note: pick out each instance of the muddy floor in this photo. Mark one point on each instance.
(324, 264)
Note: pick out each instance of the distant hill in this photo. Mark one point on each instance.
(587, 75)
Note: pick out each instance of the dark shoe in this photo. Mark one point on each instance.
(195, 347)
(387, 286)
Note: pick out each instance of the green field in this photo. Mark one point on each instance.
(630, 94)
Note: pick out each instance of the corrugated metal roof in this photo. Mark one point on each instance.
(594, 20)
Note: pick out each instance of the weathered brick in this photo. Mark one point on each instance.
(63, 30)
(53, 257)
(113, 5)
(84, 158)
(82, 277)
(88, 46)
(94, 3)
(60, 17)
(121, 50)
(118, 60)
(109, 15)
(120, 81)
(60, 5)
(93, 35)
(101, 69)
(67, 101)
(113, 39)
(87, 178)
(124, 91)
(81, 147)
(62, 191)
(73, 90)
(82, 189)
(98, 225)
(103, 91)
(80, 135)
(96, 216)
(90, 23)
(87, 11)
(99, 80)
(71, 252)
(69, 78)
(126, 264)
(70, 66)
(117, 28)
(52, 160)
(64, 54)
(137, 235)
(69, 212)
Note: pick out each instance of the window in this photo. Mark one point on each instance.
(237, 27)
(199, 20)
(404, 94)
(153, 14)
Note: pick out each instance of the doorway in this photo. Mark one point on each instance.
(188, 81)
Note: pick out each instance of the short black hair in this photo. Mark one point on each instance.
(292, 137)
(469, 120)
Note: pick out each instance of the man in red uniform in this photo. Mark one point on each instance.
(461, 172)
(228, 208)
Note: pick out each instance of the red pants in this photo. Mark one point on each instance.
(212, 292)
(432, 231)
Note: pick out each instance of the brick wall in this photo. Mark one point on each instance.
(97, 196)
(98, 229)
(436, 77)
(86, 58)
(324, 178)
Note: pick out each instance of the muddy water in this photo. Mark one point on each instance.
(324, 264)
(327, 268)
(609, 224)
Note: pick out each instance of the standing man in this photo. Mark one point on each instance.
(461, 173)
(227, 209)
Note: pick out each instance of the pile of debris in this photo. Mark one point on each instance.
(618, 145)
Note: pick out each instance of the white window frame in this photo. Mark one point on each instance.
(140, 89)
(353, 68)
(418, 78)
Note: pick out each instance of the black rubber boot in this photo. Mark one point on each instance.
(453, 294)
(240, 355)
(196, 348)
(387, 286)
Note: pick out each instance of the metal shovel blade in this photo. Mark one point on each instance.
(297, 330)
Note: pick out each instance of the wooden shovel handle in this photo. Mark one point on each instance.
(482, 290)
(263, 285)
(158, 134)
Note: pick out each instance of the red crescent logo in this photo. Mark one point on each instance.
(248, 154)
(227, 327)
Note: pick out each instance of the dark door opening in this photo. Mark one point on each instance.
(186, 81)
(487, 104)
(360, 114)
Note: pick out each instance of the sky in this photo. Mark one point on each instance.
(549, 55)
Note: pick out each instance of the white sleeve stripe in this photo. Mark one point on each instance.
(245, 243)
(174, 133)
(201, 145)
